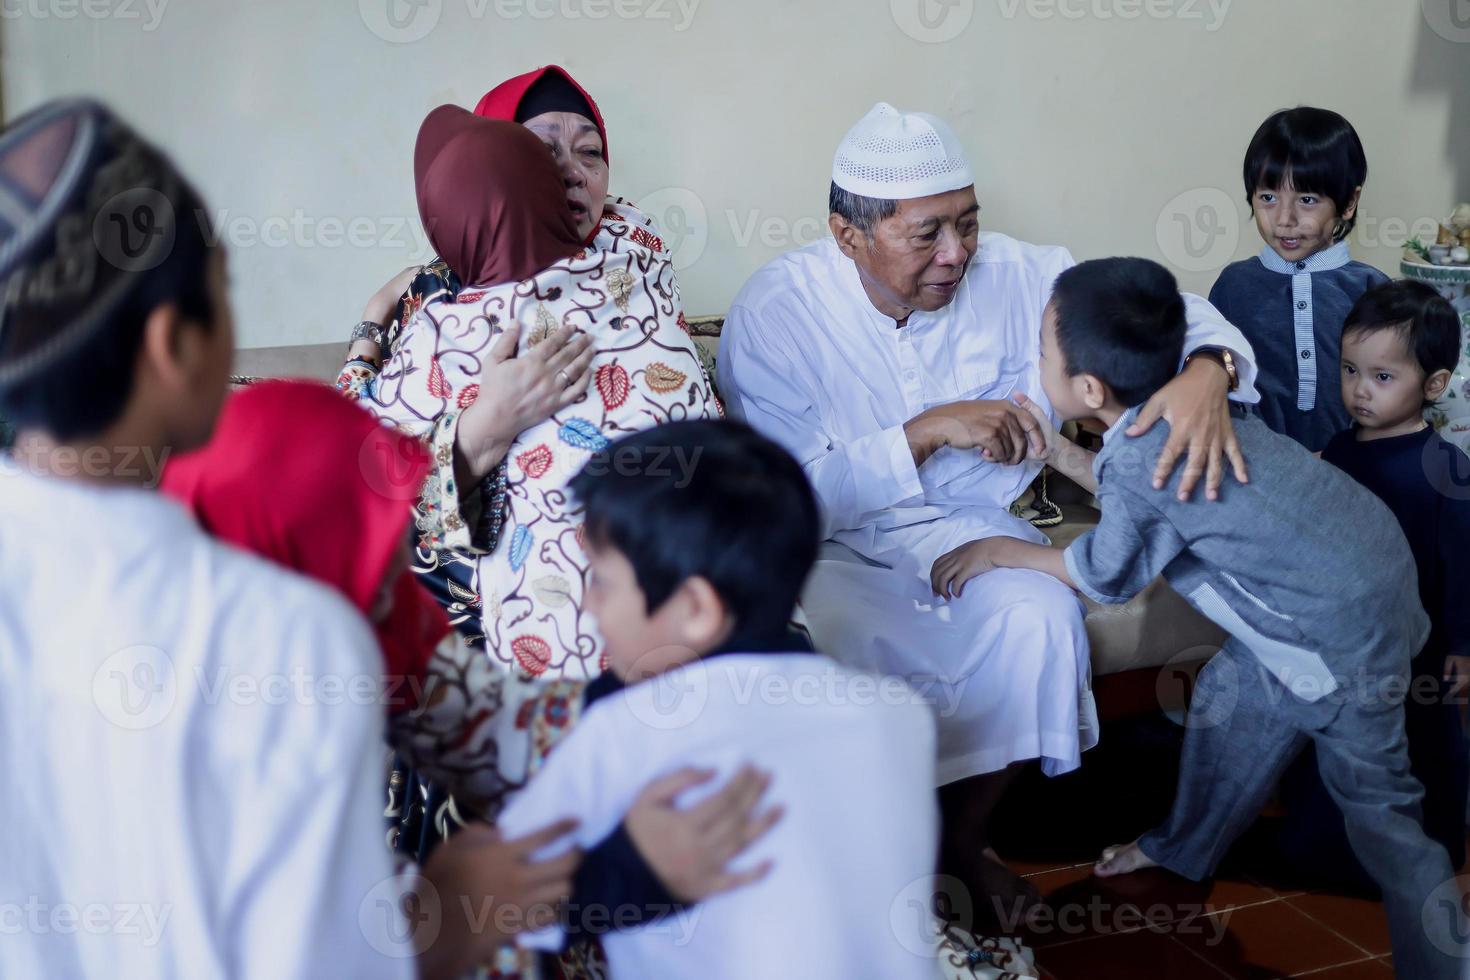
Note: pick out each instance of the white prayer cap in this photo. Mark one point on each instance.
(897, 156)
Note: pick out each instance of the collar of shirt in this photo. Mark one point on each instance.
(1334, 257)
(1115, 432)
(1124, 420)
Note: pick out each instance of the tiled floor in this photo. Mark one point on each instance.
(1154, 926)
(1247, 923)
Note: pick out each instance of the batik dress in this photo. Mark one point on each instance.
(525, 529)
(452, 575)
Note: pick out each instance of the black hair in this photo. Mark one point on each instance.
(1123, 321)
(1425, 321)
(1317, 149)
(84, 387)
(706, 498)
(862, 212)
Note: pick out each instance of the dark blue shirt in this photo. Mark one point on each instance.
(1292, 313)
(1425, 481)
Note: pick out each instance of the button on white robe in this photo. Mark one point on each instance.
(806, 359)
(192, 789)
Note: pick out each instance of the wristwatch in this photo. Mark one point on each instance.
(368, 330)
(1224, 358)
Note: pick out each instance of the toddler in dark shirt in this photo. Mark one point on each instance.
(1400, 343)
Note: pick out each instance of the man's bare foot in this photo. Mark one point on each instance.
(1122, 859)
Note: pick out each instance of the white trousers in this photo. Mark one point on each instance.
(1005, 667)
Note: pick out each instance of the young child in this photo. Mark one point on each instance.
(1322, 623)
(703, 670)
(1399, 346)
(1304, 172)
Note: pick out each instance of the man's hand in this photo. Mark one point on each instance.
(1002, 431)
(477, 866)
(689, 849)
(952, 570)
(1197, 407)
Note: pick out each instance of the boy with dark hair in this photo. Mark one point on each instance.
(1304, 172)
(1400, 344)
(703, 670)
(1322, 624)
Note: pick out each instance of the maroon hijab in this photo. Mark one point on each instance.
(490, 198)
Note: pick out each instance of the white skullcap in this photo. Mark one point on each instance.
(900, 155)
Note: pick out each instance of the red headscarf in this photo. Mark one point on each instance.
(298, 474)
(504, 100)
(490, 198)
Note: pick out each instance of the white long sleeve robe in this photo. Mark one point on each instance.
(806, 359)
(192, 746)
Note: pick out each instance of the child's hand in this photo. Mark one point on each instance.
(951, 571)
(1048, 431)
(1457, 676)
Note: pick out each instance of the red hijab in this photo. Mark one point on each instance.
(490, 198)
(298, 474)
(504, 100)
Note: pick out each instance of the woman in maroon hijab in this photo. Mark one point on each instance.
(550, 103)
(493, 206)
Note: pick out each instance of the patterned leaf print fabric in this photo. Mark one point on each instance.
(646, 372)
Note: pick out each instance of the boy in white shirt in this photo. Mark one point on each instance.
(694, 608)
(192, 737)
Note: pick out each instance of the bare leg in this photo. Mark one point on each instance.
(965, 852)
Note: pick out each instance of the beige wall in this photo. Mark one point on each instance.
(1110, 126)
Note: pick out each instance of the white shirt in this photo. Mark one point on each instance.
(806, 359)
(852, 761)
(187, 793)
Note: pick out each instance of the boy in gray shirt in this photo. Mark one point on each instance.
(1308, 572)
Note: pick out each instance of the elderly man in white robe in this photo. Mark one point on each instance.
(886, 359)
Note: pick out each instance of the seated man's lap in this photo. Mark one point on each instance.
(885, 619)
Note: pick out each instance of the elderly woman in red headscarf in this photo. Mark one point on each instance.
(495, 208)
(551, 104)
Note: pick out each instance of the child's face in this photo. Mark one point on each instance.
(1296, 225)
(1383, 386)
(1061, 388)
(638, 643)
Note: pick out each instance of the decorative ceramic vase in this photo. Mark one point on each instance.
(1451, 414)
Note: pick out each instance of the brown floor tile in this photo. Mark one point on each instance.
(1272, 940)
(1363, 970)
(1027, 869)
(1080, 905)
(1358, 920)
(1128, 956)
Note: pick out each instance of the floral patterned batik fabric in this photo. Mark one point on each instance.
(646, 373)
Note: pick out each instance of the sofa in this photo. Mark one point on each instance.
(1144, 652)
